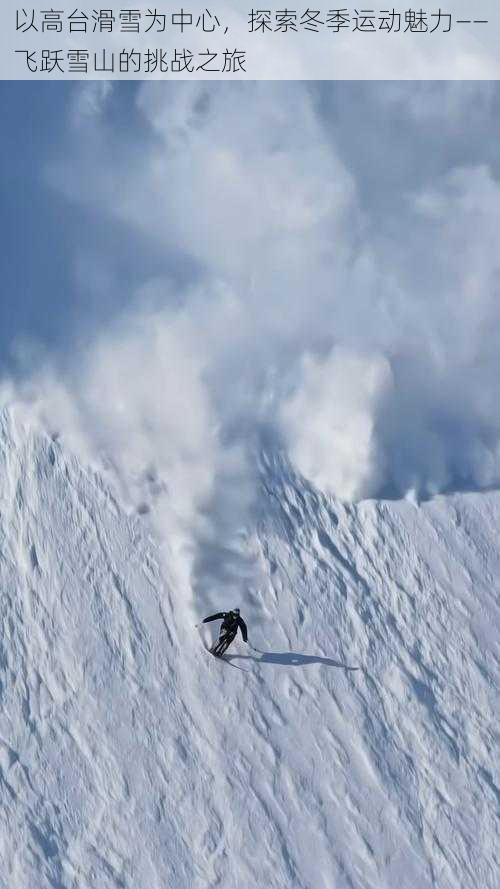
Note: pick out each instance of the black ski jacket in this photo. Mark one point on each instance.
(230, 623)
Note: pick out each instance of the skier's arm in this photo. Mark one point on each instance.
(219, 616)
(243, 627)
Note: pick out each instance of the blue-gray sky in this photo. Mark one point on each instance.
(36, 261)
(45, 236)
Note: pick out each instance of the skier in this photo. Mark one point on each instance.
(231, 621)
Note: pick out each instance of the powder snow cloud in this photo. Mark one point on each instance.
(339, 290)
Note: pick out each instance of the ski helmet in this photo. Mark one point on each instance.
(236, 610)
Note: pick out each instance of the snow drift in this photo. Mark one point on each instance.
(130, 758)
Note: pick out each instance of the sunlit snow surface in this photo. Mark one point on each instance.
(131, 758)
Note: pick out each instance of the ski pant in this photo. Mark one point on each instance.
(222, 644)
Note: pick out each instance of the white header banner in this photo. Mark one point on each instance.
(458, 40)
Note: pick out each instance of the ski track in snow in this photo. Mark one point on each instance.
(129, 757)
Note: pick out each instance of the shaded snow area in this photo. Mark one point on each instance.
(131, 758)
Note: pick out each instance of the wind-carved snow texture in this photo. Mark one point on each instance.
(130, 758)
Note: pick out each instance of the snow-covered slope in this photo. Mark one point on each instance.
(131, 758)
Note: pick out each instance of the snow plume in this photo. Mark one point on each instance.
(329, 422)
(134, 404)
(291, 285)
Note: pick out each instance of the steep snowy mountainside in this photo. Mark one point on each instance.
(411, 594)
(130, 758)
(91, 720)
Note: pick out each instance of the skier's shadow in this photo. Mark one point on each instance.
(290, 659)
